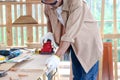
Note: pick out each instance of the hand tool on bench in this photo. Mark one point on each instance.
(49, 75)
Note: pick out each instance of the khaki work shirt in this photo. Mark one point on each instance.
(80, 29)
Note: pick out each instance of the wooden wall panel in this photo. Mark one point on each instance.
(15, 35)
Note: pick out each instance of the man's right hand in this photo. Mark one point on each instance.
(47, 36)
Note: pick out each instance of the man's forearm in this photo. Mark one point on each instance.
(64, 45)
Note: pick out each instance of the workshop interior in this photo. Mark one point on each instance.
(23, 23)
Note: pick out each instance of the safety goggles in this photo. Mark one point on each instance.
(53, 3)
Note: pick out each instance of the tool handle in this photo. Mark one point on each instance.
(49, 75)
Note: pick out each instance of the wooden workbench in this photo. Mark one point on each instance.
(27, 70)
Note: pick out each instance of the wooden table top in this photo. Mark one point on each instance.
(26, 70)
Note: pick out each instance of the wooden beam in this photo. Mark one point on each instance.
(102, 34)
(9, 25)
(29, 28)
(115, 41)
(21, 25)
(111, 36)
(30, 2)
(102, 18)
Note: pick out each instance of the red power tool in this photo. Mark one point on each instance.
(47, 48)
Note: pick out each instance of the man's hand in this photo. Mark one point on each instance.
(47, 36)
(52, 63)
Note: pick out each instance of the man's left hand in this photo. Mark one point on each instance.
(52, 63)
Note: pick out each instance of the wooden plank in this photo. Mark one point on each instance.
(30, 2)
(37, 62)
(26, 19)
(2, 25)
(102, 18)
(27, 70)
(100, 69)
(23, 75)
(115, 16)
(6, 66)
(115, 41)
(22, 36)
(111, 36)
(115, 59)
(102, 34)
(29, 34)
(9, 25)
(30, 28)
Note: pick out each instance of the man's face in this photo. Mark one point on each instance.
(50, 2)
(53, 3)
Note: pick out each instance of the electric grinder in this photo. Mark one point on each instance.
(47, 48)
